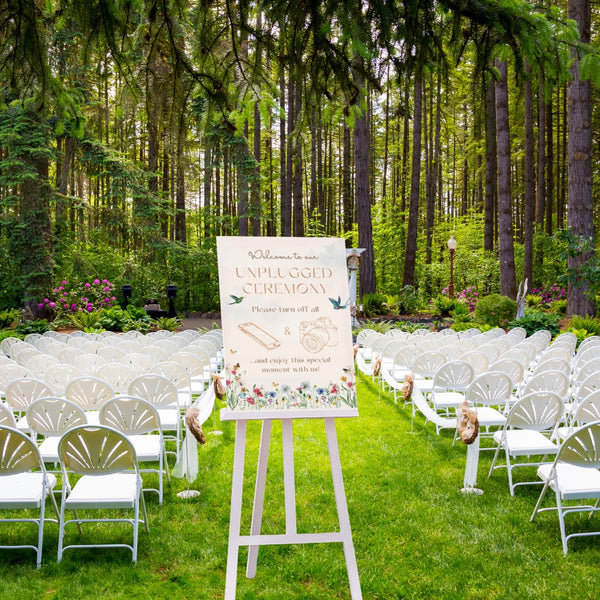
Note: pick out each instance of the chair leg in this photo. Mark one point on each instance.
(561, 522)
(539, 502)
(494, 460)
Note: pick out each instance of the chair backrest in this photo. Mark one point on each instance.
(491, 351)
(53, 416)
(156, 353)
(192, 363)
(157, 389)
(89, 363)
(20, 393)
(427, 364)
(130, 415)
(117, 375)
(6, 416)
(519, 332)
(567, 339)
(139, 363)
(590, 384)
(588, 409)
(548, 381)
(405, 357)
(455, 375)
(588, 353)
(452, 352)
(593, 340)
(490, 389)
(10, 372)
(587, 369)
(7, 343)
(554, 364)
(477, 360)
(96, 449)
(89, 392)
(174, 372)
(511, 366)
(540, 411)
(59, 377)
(41, 364)
(18, 452)
(582, 447)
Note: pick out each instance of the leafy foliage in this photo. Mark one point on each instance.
(9, 317)
(32, 326)
(495, 310)
(589, 324)
(167, 323)
(535, 320)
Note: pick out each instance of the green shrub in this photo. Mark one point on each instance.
(6, 333)
(373, 304)
(590, 324)
(9, 317)
(167, 323)
(461, 313)
(559, 307)
(445, 305)
(463, 326)
(408, 300)
(580, 333)
(535, 320)
(86, 320)
(495, 310)
(33, 326)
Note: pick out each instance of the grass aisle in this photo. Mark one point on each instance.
(415, 534)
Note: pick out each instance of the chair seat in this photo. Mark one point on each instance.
(574, 482)
(24, 490)
(490, 417)
(49, 449)
(169, 418)
(526, 442)
(117, 490)
(147, 447)
(447, 399)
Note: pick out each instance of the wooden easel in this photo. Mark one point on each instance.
(291, 535)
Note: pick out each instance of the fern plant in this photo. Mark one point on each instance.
(86, 320)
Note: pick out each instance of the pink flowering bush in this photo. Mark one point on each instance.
(72, 298)
(469, 297)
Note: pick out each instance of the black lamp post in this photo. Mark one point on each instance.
(171, 293)
(452, 247)
(126, 292)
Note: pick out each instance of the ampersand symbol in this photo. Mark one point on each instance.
(287, 331)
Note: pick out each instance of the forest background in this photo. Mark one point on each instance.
(133, 132)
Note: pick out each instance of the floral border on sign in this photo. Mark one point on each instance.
(338, 393)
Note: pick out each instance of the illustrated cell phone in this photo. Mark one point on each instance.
(258, 334)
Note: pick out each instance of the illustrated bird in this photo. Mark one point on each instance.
(337, 304)
(236, 299)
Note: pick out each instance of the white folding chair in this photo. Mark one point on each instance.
(117, 375)
(51, 417)
(139, 420)
(110, 479)
(523, 433)
(162, 393)
(24, 484)
(573, 476)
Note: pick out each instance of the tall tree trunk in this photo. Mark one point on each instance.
(347, 200)
(491, 181)
(529, 182)
(549, 169)
(298, 198)
(255, 192)
(285, 184)
(415, 185)
(505, 226)
(363, 202)
(581, 216)
(541, 155)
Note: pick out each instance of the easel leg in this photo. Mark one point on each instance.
(259, 495)
(289, 482)
(235, 517)
(342, 508)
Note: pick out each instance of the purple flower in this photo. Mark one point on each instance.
(87, 285)
(41, 305)
(105, 281)
(64, 282)
(46, 300)
(52, 304)
(96, 281)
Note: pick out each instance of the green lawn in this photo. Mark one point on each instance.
(415, 534)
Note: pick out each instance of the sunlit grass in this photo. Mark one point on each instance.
(415, 534)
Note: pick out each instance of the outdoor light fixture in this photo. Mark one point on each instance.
(171, 293)
(452, 247)
(126, 292)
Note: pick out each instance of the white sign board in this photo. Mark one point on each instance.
(287, 336)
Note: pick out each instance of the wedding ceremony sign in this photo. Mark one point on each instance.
(287, 337)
